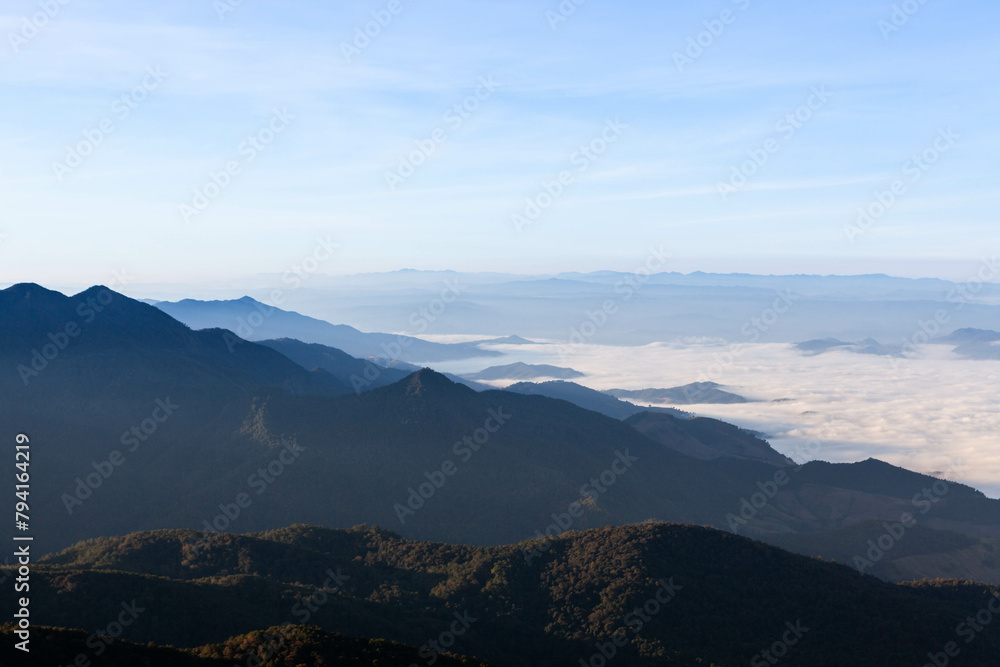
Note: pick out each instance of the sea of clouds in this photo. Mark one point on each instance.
(936, 413)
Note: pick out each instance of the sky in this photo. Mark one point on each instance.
(202, 141)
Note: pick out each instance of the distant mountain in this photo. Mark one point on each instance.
(589, 399)
(975, 343)
(963, 336)
(675, 307)
(358, 374)
(99, 336)
(636, 594)
(866, 346)
(925, 553)
(139, 422)
(253, 320)
(508, 340)
(523, 371)
(689, 394)
(705, 439)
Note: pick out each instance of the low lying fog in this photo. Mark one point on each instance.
(934, 414)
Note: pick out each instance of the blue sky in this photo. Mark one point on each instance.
(346, 122)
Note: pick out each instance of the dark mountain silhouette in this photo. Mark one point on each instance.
(139, 422)
(697, 595)
(279, 645)
(705, 439)
(359, 374)
(920, 553)
(254, 320)
(689, 394)
(522, 371)
(111, 338)
(585, 397)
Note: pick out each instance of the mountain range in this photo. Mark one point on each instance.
(522, 371)
(648, 594)
(254, 320)
(650, 308)
(689, 394)
(143, 423)
(550, 521)
(975, 343)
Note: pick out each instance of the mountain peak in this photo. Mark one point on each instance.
(427, 380)
(30, 291)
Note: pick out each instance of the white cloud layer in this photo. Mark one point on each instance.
(936, 414)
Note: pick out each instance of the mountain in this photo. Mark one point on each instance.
(705, 439)
(101, 336)
(675, 307)
(356, 373)
(689, 394)
(285, 645)
(925, 553)
(523, 371)
(866, 346)
(256, 321)
(137, 422)
(506, 340)
(641, 594)
(963, 336)
(584, 397)
(975, 343)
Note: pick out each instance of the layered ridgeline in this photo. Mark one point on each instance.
(650, 594)
(278, 645)
(257, 321)
(137, 422)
